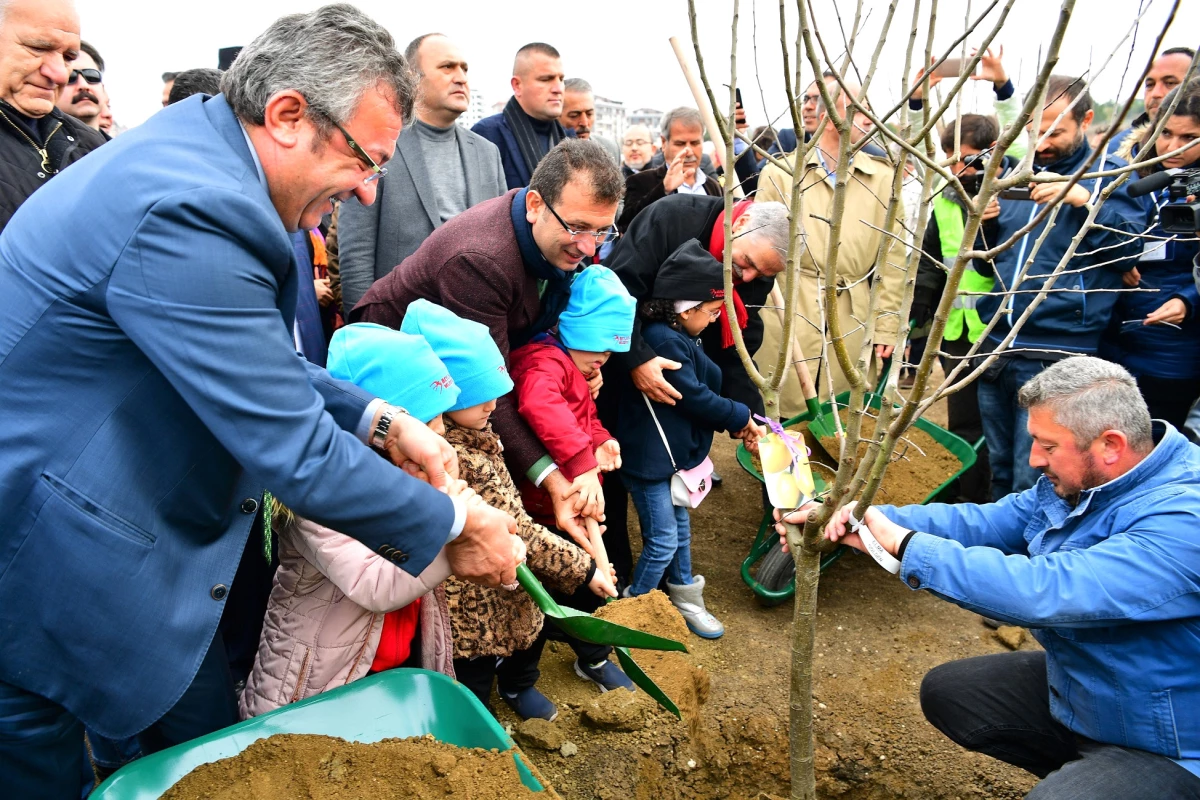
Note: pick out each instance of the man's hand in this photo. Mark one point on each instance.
(677, 173)
(1131, 278)
(992, 210)
(564, 497)
(590, 502)
(594, 382)
(884, 350)
(648, 378)
(419, 451)
(887, 533)
(1041, 193)
(608, 456)
(1173, 311)
(990, 67)
(487, 551)
(797, 517)
(324, 293)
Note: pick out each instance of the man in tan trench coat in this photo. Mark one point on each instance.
(867, 194)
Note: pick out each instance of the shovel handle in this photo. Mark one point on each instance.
(535, 590)
(603, 565)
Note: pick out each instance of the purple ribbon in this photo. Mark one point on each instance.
(788, 441)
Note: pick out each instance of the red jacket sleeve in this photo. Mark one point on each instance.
(541, 401)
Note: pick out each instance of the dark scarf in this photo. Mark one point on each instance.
(530, 144)
(554, 285)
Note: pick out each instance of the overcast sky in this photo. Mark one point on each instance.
(621, 46)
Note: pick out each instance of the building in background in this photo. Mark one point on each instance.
(475, 111)
(650, 117)
(610, 118)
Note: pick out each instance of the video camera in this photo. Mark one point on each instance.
(1174, 217)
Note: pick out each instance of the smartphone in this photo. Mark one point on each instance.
(739, 115)
(1016, 193)
(953, 67)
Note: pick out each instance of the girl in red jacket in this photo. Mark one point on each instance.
(551, 374)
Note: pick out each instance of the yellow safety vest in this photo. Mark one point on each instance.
(949, 218)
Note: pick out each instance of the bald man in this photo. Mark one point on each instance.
(39, 43)
(528, 126)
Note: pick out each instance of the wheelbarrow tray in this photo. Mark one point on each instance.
(766, 537)
(397, 703)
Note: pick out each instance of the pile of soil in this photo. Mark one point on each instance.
(287, 766)
(919, 463)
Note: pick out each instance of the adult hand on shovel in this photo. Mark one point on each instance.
(488, 550)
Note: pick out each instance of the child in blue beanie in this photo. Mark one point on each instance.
(551, 374)
(336, 606)
(658, 440)
(497, 633)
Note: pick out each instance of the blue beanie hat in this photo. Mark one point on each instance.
(467, 350)
(599, 314)
(397, 367)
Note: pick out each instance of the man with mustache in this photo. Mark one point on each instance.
(439, 171)
(39, 44)
(83, 97)
(1065, 321)
(681, 172)
(579, 114)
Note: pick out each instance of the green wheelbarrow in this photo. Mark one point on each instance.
(397, 703)
(775, 579)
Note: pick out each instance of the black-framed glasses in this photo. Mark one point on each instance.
(92, 76)
(599, 237)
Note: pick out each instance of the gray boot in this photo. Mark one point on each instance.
(690, 602)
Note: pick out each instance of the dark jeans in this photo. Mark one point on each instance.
(41, 752)
(1169, 398)
(999, 705)
(512, 674)
(962, 407)
(1004, 424)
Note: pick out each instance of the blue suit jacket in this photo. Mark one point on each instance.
(150, 389)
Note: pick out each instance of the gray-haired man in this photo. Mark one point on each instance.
(681, 172)
(1101, 559)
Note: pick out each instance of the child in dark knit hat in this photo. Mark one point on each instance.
(688, 293)
(551, 374)
(497, 633)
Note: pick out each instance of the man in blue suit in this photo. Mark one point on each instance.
(151, 391)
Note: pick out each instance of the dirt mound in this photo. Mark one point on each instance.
(287, 766)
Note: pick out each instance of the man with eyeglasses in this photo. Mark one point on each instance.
(83, 95)
(681, 172)
(507, 263)
(39, 43)
(637, 150)
(151, 392)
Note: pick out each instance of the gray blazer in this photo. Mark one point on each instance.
(373, 239)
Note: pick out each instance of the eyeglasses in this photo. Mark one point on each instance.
(600, 237)
(636, 142)
(810, 98)
(368, 162)
(92, 76)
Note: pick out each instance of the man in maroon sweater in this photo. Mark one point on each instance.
(507, 263)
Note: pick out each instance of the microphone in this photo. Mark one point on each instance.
(1152, 183)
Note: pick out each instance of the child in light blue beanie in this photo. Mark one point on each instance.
(348, 606)
(551, 373)
(497, 633)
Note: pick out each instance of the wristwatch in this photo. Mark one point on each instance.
(379, 435)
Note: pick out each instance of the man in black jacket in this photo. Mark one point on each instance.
(681, 172)
(39, 40)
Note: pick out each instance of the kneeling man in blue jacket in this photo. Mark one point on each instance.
(1101, 560)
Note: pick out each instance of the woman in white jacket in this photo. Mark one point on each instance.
(338, 610)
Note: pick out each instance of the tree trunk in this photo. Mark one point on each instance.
(804, 631)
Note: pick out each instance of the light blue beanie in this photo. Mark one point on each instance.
(599, 315)
(467, 350)
(397, 367)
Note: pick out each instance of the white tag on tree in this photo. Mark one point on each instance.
(882, 557)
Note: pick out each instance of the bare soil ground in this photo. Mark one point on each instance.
(875, 641)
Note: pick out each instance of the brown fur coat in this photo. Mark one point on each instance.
(495, 622)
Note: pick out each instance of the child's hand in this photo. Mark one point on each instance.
(603, 585)
(608, 456)
(591, 496)
(751, 434)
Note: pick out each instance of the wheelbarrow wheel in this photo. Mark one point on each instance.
(775, 572)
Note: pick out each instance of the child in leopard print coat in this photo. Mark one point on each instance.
(497, 633)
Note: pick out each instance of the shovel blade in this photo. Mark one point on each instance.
(643, 681)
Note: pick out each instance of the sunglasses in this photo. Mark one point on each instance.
(92, 76)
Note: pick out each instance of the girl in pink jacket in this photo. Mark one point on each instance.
(338, 611)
